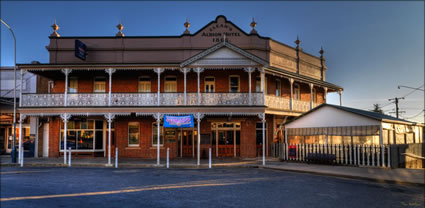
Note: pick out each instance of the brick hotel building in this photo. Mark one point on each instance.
(234, 83)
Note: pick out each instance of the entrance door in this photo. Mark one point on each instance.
(187, 139)
(226, 143)
(209, 84)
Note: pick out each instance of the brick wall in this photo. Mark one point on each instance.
(54, 130)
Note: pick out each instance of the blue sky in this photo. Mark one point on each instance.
(370, 47)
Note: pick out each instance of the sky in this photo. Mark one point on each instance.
(370, 47)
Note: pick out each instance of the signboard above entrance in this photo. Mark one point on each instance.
(178, 121)
(80, 50)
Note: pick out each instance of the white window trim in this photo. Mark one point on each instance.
(239, 83)
(128, 134)
(314, 95)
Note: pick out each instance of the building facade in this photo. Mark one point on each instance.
(240, 87)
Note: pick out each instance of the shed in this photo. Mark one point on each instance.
(332, 124)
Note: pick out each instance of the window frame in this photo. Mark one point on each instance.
(278, 90)
(314, 92)
(144, 82)
(95, 82)
(213, 82)
(230, 83)
(161, 133)
(297, 91)
(70, 79)
(170, 81)
(138, 134)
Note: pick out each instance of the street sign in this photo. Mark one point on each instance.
(80, 50)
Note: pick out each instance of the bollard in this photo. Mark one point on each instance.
(168, 157)
(69, 158)
(22, 155)
(116, 157)
(209, 162)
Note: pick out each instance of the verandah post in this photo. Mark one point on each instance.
(65, 117)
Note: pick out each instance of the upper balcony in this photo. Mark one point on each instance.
(165, 100)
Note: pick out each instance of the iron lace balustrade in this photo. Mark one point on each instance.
(140, 99)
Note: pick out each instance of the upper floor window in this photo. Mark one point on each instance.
(170, 84)
(99, 84)
(297, 92)
(314, 95)
(258, 84)
(133, 134)
(278, 88)
(209, 84)
(144, 84)
(73, 85)
(234, 83)
(155, 133)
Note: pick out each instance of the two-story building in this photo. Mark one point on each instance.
(240, 87)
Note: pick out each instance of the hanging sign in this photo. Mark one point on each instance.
(178, 121)
(80, 50)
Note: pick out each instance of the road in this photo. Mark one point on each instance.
(219, 187)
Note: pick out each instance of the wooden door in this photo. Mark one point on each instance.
(187, 139)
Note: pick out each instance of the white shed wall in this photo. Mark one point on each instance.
(328, 116)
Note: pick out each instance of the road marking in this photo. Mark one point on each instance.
(116, 192)
(19, 172)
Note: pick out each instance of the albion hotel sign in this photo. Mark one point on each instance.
(218, 36)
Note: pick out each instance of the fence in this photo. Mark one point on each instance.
(355, 155)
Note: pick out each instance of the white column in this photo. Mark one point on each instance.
(66, 72)
(340, 97)
(159, 71)
(199, 117)
(158, 117)
(325, 94)
(262, 116)
(185, 71)
(110, 71)
(22, 86)
(249, 70)
(109, 117)
(311, 96)
(291, 99)
(65, 117)
(21, 148)
(263, 86)
(198, 71)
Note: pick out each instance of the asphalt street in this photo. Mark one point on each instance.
(219, 187)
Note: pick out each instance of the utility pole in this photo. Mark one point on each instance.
(396, 104)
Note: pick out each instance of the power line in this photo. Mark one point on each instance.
(420, 112)
(414, 90)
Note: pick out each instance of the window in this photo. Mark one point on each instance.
(84, 135)
(258, 84)
(73, 85)
(155, 133)
(234, 83)
(144, 84)
(133, 134)
(259, 132)
(314, 95)
(209, 84)
(278, 88)
(99, 84)
(297, 93)
(170, 84)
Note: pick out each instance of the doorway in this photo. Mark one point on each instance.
(188, 147)
(226, 139)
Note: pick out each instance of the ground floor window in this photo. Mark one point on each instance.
(133, 134)
(84, 135)
(155, 133)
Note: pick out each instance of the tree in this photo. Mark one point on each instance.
(377, 109)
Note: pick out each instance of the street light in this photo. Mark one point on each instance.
(14, 95)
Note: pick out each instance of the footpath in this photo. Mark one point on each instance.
(387, 175)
